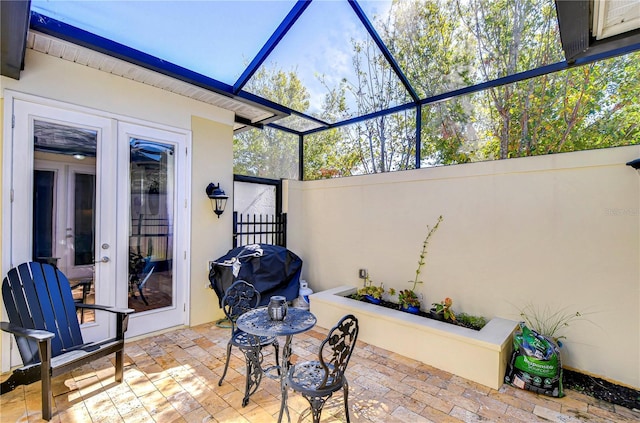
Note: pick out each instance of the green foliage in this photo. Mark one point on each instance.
(271, 153)
(444, 308)
(374, 291)
(474, 322)
(266, 153)
(370, 289)
(443, 45)
(547, 321)
(423, 253)
(408, 298)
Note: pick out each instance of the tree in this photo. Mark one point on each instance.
(511, 36)
(442, 46)
(381, 142)
(270, 153)
(552, 113)
(327, 154)
(436, 54)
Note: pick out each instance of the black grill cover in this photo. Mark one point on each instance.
(271, 269)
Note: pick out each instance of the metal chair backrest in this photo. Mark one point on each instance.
(336, 349)
(38, 296)
(239, 298)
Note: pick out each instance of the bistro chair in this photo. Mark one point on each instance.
(85, 285)
(42, 317)
(317, 380)
(140, 270)
(239, 298)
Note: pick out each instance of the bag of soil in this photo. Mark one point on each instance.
(535, 364)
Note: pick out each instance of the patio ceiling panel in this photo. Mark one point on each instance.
(46, 31)
(300, 124)
(71, 52)
(222, 35)
(271, 43)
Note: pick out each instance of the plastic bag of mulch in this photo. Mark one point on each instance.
(535, 363)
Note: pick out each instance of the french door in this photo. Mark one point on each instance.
(61, 163)
(157, 220)
(107, 202)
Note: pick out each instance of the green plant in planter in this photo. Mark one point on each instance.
(468, 320)
(408, 297)
(444, 308)
(549, 322)
(370, 289)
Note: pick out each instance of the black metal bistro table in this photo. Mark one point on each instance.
(257, 322)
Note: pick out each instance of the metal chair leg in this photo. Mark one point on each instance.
(253, 358)
(345, 388)
(226, 364)
(144, 299)
(276, 347)
(317, 403)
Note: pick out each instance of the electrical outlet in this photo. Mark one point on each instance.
(362, 273)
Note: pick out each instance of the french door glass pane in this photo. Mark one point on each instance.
(151, 284)
(64, 202)
(84, 220)
(43, 213)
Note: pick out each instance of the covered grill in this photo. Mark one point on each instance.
(271, 269)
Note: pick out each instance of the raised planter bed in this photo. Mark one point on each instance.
(480, 356)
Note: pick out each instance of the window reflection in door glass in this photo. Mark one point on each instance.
(64, 198)
(152, 221)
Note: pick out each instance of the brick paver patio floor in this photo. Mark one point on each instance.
(173, 377)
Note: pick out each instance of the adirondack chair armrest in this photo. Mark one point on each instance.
(106, 308)
(35, 334)
(122, 320)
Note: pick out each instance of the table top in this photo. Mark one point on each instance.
(257, 322)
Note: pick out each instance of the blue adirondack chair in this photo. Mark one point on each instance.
(43, 319)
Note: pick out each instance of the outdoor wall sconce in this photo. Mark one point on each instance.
(218, 198)
(635, 164)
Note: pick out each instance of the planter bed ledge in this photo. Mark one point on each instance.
(480, 356)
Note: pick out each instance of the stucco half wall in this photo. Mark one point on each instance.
(557, 232)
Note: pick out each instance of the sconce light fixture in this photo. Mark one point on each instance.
(634, 164)
(218, 198)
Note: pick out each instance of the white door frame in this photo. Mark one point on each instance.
(12, 152)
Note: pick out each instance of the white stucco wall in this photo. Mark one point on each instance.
(211, 237)
(560, 231)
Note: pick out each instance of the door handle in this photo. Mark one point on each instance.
(104, 259)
